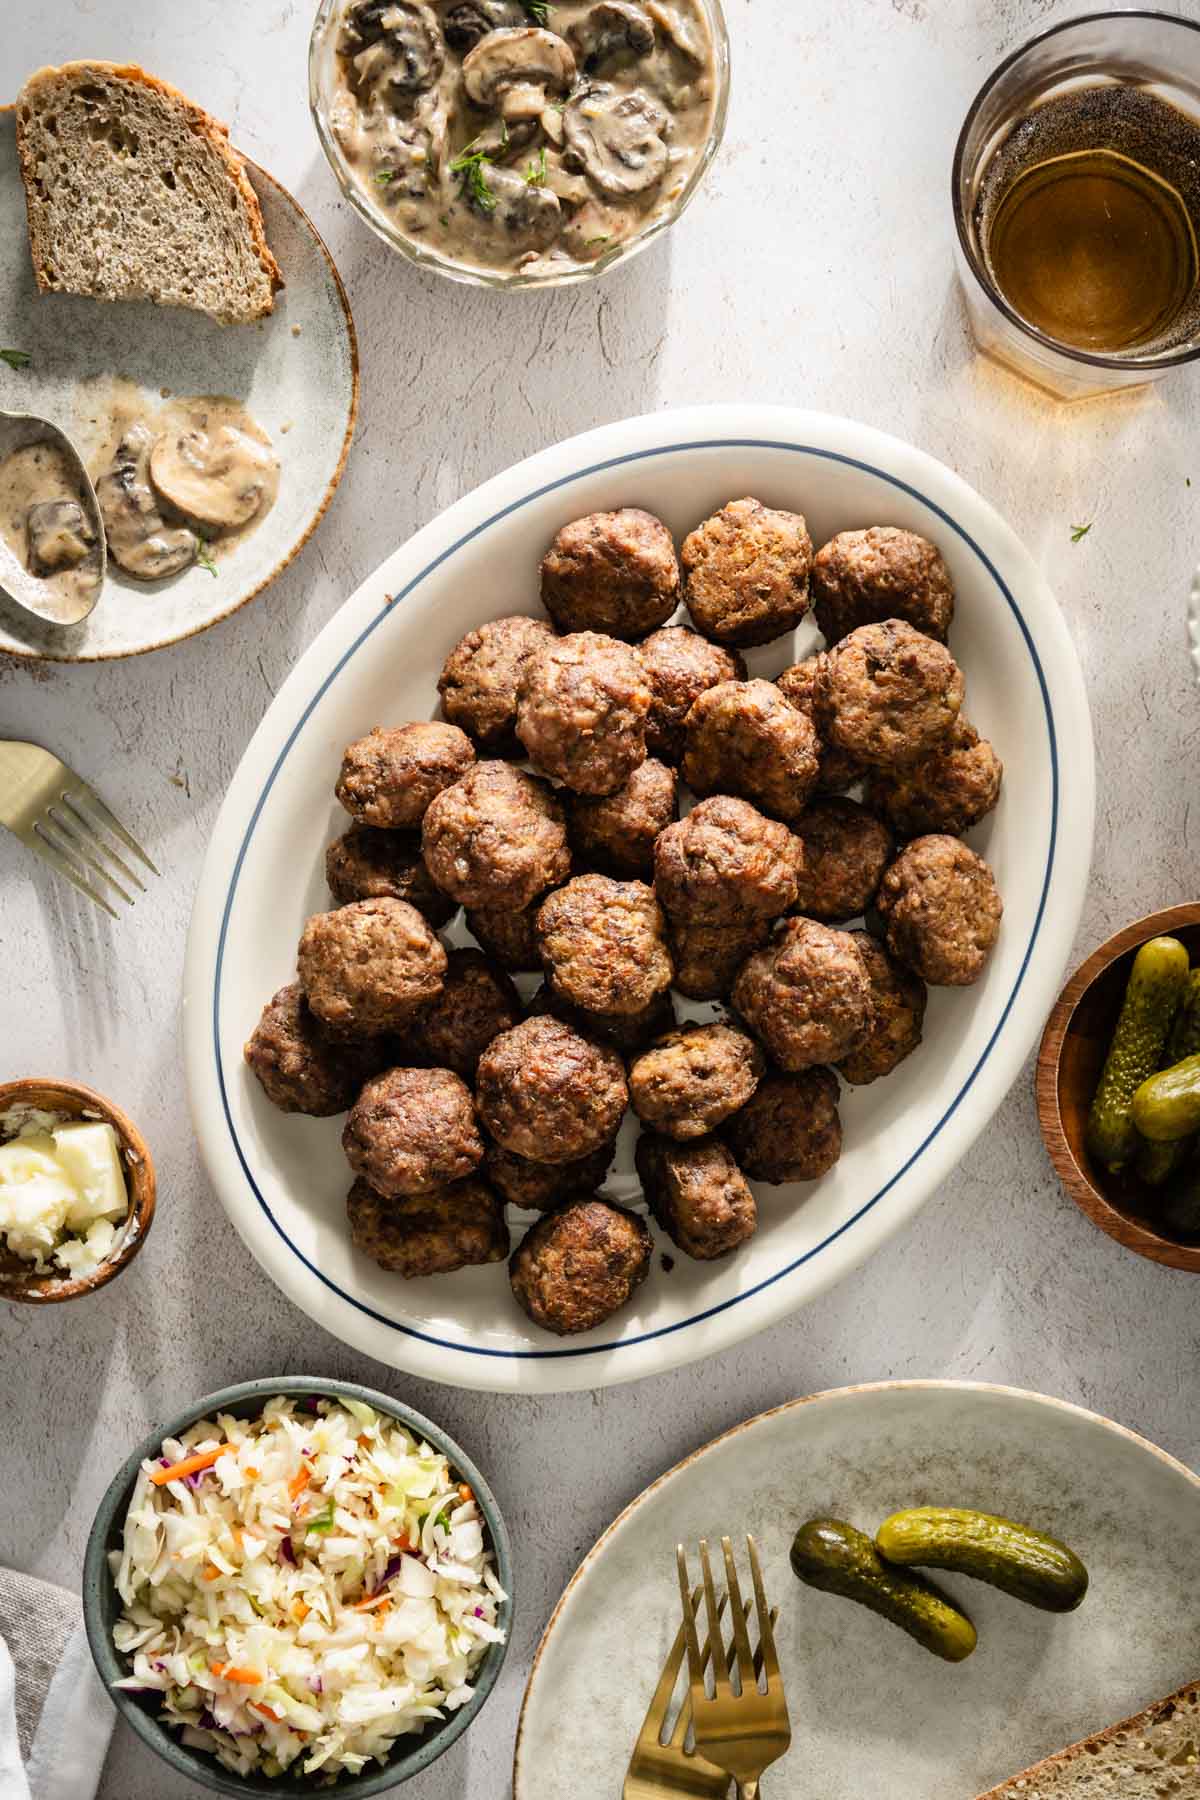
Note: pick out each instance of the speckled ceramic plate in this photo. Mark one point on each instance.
(284, 1179)
(872, 1713)
(296, 371)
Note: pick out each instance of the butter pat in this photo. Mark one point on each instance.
(89, 1157)
(62, 1190)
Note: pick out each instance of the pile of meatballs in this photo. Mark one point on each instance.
(464, 1098)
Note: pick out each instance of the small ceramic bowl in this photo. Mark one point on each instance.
(17, 1282)
(1074, 1045)
(102, 1606)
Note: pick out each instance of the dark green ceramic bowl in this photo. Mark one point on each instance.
(102, 1608)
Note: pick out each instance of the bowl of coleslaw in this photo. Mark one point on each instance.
(298, 1586)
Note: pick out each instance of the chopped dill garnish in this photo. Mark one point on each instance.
(470, 165)
(537, 171)
(16, 359)
(202, 554)
(539, 10)
(1079, 532)
(605, 238)
(383, 176)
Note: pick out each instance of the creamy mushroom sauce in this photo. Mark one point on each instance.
(179, 482)
(512, 148)
(44, 523)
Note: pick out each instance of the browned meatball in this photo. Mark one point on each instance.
(791, 1130)
(388, 778)
(540, 1187)
(299, 1067)
(496, 839)
(480, 677)
(614, 572)
(581, 712)
(746, 573)
(744, 738)
(579, 1265)
(697, 1193)
(413, 1130)
(888, 694)
(626, 1032)
(941, 910)
(455, 1227)
(863, 577)
(725, 863)
(895, 1032)
(708, 957)
(510, 938)
(798, 685)
(368, 864)
(546, 1092)
(689, 1081)
(369, 967)
(949, 790)
(680, 665)
(477, 1003)
(616, 832)
(846, 850)
(806, 996)
(603, 944)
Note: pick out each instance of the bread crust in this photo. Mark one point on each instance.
(1026, 1784)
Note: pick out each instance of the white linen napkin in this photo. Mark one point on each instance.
(55, 1717)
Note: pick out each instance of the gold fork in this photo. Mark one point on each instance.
(668, 1770)
(742, 1731)
(55, 814)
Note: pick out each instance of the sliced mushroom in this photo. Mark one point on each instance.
(139, 539)
(527, 213)
(395, 46)
(616, 139)
(60, 536)
(613, 29)
(677, 31)
(217, 477)
(467, 21)
(511, 70)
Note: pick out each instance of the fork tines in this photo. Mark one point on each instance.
(71, 835)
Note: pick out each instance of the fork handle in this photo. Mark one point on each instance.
(748, 1790)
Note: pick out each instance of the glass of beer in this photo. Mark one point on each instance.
(1077, 203)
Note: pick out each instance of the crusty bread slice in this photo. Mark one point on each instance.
(1151, 1756)
(133, 193)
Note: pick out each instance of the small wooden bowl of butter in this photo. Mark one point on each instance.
(77, 1191)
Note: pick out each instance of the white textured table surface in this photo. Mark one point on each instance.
(815, 269)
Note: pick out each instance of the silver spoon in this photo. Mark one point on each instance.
(18, 431)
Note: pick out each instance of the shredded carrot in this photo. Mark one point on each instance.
(363, 1440)
(300, 1611)
(251, 1474)
(191, 1465)
(212, 1573)
(230, 1672)
(268, 1712)
(299, 1481)
(371, 1601)
(464, 1492)
(236, 1535)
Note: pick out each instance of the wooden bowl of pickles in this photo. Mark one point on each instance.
(1118, 1087)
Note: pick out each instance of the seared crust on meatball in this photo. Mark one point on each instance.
(581, 712)
(689, 1081)
(455, 1227)
(579, 1265)
(614, 572)
(545, 1091)
(368, 864)
(496, 839)
(603, 944)
(726, 863)
(616, 832)
(798, 685)
(888, 694)
(509, 938)
(744, 738)
(413, 1130)
(708, 957)
(369, 967)
(900, 998)
(863, 577)
(388, 778)
(680, 665)
(477, 1003)
(941, 910)
(846, 850)
(540, 1187)
(790, 1130)
(806, 997)
(479, 680)
(626, 1032)
(697, 1193)
(949, 790)
(746, 573)
(299, 1067)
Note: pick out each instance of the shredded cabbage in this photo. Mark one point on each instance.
(322, 1589)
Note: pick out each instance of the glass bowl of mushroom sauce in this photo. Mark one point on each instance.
(510, 143)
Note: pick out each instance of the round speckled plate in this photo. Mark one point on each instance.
(296, 371)
(873, 1713)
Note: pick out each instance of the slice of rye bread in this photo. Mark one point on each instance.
(1155, 1755)
(133, 193)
